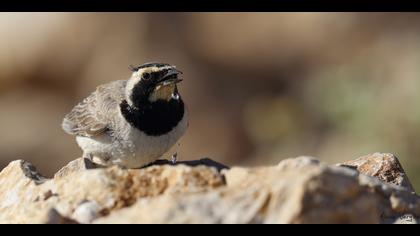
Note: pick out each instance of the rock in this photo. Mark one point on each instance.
(297, 190)
(78, 165)
(87, 211)
(54, 217)
(384, 166)
(204, 161)
(24, 200)
(298, 162)
(21, 192)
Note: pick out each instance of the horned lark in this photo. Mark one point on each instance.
(131, 122)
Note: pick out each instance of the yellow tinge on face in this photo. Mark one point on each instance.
(162, 92)
(136, 76)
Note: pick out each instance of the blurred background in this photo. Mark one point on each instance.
(259, 87)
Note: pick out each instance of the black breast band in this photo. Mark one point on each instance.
(154, 118)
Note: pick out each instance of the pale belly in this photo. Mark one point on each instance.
(134, 149)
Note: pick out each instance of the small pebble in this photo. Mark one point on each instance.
(86, 212)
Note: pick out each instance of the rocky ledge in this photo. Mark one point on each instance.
(370, 189)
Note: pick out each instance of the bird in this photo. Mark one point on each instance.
(132, 122)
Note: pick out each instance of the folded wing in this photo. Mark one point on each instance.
(95, 114)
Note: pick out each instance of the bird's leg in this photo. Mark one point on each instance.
(174, 158)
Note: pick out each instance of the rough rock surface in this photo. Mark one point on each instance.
(374, 189)
(384, 166)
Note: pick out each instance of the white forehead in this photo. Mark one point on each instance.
(150, 69)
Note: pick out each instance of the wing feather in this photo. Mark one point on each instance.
(95, 114)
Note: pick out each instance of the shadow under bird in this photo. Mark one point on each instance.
(133, 122)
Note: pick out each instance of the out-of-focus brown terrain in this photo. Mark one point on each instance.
(259, 87)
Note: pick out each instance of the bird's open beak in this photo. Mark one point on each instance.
(171, 77)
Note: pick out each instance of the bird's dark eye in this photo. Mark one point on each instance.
(146, 76)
